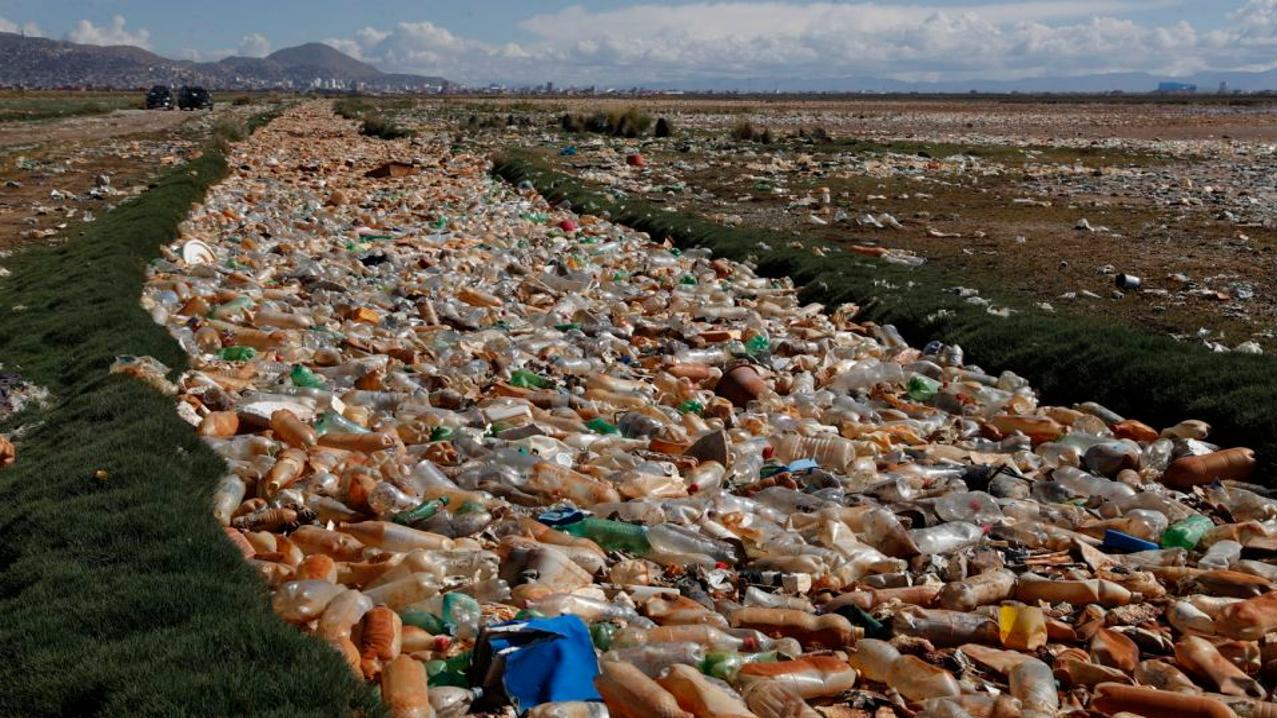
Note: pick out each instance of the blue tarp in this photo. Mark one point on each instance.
(553, 661)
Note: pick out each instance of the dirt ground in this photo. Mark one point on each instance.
(55, 175)
(999, 194)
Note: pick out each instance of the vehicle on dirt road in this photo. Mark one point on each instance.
(159, 97)
(194, 98)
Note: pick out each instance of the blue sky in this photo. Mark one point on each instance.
(622, 42)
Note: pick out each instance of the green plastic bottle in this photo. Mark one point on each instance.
(441, 433)
(424, 620)
(601, 426)
(691, 406)
(1186, 532)
(237, 353)
(527, 380)
(303, 377)
(231, 308)
(611, 535)
(461, 614)
(449, 672)
(332, 421)
(602, 634)
(922, 388)
(422, 513)
(758, 345)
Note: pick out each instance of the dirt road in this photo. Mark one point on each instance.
(97, 127)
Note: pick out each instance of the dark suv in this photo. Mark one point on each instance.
(159, 98)
(194, 98)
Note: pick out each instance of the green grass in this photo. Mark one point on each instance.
(121, 597)
(1069, 358)
(373, 122)
(21, 107)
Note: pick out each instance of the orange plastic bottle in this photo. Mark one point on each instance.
(698, 696)
(829, 631)
(291, 430)
(404, 688)
(806, 677)
(1230, 464)
(629, 693)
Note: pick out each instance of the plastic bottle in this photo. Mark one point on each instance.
(630, 694)
(422, 513)
(772, 699)
(830, 631)
(807, 676)
(1186, 532)
(1021, 627)
(302, 601)
(946, 628)
(569, 709)
(978, 590)
(946, 538)
(700, 697)
(1031, 588)
(404, 688)
(975, 507)
(1114, 698)
(1221, 554)
(612, 535)
(1230, 464)
(918, 680)
(1034, 685)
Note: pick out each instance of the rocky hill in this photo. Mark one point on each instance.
(38, 62)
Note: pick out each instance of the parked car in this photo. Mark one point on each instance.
(194, 98)
(159, 97)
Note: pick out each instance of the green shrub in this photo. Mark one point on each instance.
(351, 108)
(377, 125)
(746, 131)
(619, 123)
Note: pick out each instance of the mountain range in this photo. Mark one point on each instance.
(37, 62)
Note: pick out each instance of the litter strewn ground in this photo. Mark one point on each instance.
(508, 458)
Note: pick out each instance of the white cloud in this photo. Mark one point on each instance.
(86, 33)
(254, 45)
(651, 43)
(27, 28)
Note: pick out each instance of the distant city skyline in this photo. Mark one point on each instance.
(674, 42)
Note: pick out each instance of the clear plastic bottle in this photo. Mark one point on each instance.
(1222, 554)
(946, 538)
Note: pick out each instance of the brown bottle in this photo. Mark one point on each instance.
(741, 385)
(404, 688)
(1200, 656)
(772, 699)
(700, 697)
(629, 693)
(291, 430)
(947, 628)
(829, 631)
(1248, 620)
(1235, 464)
(1112, 698)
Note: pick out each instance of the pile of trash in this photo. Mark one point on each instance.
(508, 459)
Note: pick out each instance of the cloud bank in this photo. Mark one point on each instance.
(650, 43)
(86, 33)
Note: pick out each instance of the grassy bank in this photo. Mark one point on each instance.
(32, 106)
(1069, 358)
(119, 594)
